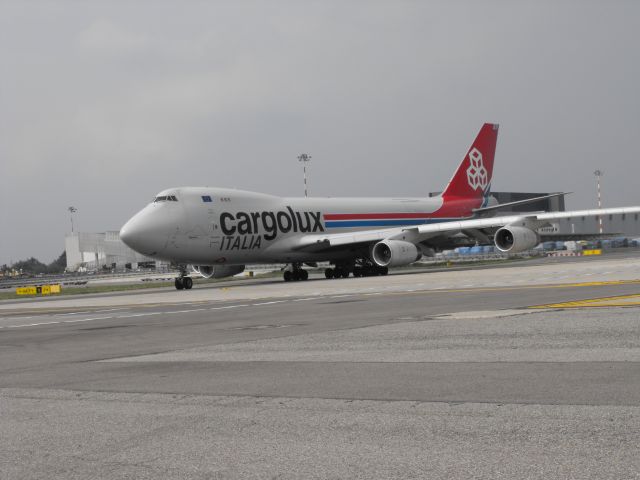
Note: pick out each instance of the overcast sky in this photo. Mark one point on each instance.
(103, 104)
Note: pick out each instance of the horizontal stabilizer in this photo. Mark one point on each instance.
(518, 202)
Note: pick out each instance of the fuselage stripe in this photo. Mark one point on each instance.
(374, 216)
(385, 223)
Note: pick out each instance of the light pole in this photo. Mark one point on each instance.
(72, 210)
(304, 158)
(598, 174)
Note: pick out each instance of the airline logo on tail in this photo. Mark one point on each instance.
(477, 175)
(472, 179)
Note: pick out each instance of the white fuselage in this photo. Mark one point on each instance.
(213, 226)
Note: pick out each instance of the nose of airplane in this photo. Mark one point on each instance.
(146, 232)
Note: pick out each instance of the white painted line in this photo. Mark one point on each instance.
(342, 296)
(77, 320)
(305, 299)
(140, 314)
(73, 313)
(269, 303)
(373, 293)
(229, 306)
(31, 324)
(187, 311)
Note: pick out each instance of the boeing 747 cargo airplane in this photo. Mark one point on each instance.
(218, 231)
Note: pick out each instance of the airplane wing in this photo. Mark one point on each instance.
(419, 233)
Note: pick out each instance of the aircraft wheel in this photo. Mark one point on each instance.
(304, 275)
(295, 275)
(357, 272)
(187, 282)
(328, 273)
(344, 273)
(384, 271)
(179, 284)
(287, 276)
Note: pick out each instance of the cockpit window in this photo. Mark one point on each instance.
(165, 198)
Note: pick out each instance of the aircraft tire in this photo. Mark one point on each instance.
(304, 275)
(328, 273)
(344, 273)
(287, 276)
(295, 275)
(188, 283)
(179, 284)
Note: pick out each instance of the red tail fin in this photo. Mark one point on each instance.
(473, 177)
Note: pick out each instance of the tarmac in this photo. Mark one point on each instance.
(525, 371)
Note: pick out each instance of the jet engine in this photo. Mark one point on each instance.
(217, 271)
(394, 253)
(516, 239)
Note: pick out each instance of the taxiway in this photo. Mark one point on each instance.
(530, 371)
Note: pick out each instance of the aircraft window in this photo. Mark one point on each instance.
(172, 198)
(161, 199)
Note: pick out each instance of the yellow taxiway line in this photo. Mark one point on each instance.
(618, 301)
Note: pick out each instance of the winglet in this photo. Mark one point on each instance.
(473, 177)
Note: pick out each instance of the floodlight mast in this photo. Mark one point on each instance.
(598, 174)
(304, 158)
(72, 210)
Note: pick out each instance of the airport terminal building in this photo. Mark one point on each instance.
(104, 251)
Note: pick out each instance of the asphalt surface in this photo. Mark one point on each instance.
(420, 375)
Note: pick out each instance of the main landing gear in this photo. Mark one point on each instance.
(295, 273)
(183, 282)
(360, 269)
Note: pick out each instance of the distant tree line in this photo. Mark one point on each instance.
(34, 266)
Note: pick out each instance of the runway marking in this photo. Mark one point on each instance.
(229, 306)
(77, 320)
(138, 315)
(31, 324)
(617, 301)
(187, 311)
(268, 303)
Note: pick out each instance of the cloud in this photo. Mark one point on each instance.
(104, 37)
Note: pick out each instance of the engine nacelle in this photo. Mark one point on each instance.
(516, 239)
(217, 271)
(394, 253)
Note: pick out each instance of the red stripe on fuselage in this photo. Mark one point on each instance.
(373, 216)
